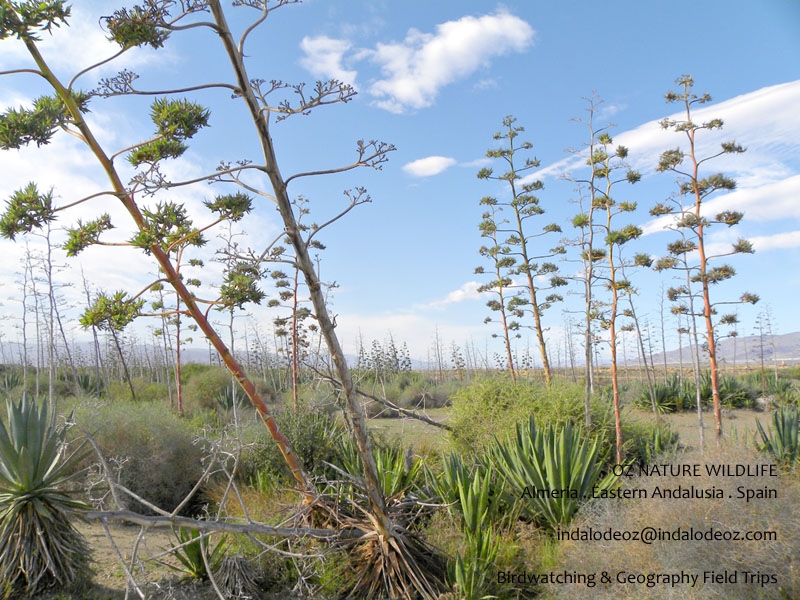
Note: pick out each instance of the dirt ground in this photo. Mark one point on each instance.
(110, 577)
(737, 425)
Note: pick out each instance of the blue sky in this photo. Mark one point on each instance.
(436, 80)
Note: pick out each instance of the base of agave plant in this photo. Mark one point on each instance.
(40, 550)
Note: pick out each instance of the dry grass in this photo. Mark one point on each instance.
(726, 514)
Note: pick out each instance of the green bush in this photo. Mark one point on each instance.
(492, 407)
(146, 391)
(647, 440)
(675, 395)
(733, 393)
(156, 451)
(203, 389)
(781, 440)
(399, 473)
(312, 434)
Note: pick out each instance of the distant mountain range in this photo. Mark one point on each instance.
(742, 351)
(783, 349)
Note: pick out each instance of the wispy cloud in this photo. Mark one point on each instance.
(428, 166)
(764, 121)
(414, 70)
(468, 291)
(723, 243)
(477, 163)
(788, 239)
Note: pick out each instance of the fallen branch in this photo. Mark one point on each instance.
(404, 411)
(127, 516)
(387, 403)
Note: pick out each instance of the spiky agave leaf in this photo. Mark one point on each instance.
(549, 460)
(39, 547)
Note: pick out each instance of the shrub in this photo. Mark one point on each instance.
(781, 440)
(146, 391)
(312, 434)
(154, 449)
(194, 552)
(672, 396)
(204, 388)
(399, 473)
(492, 407)
(474, 567)
(647, 440)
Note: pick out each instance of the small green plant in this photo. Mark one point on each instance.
(10, 380)
(652, 440)
(194, 552)
(552, 471)
(399, 473)
(313, 435)
(674, 395)
(39, 547)
(473, 492)
(230, 396)
(90, 385)
(781, 440)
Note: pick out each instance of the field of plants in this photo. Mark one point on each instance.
(183, 506)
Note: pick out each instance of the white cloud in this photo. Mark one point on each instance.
(775, 201)
(418, 67)
(430, 165)
(414, 70)
(324, 58)
(722, 243)
(788, 239)
(477, 163)
(485, 84)
(764, 121)
(468, 291)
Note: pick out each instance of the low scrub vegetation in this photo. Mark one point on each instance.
(726, 513)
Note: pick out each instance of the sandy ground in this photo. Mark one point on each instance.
(109, 573)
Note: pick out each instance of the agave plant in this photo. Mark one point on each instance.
(194, 553)
(782, 439)
(477, 494)
(39, 547)
(553, 471)
(405, 565)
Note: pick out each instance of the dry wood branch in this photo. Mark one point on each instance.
(389, 404)
(404, 411)
(158, 521)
